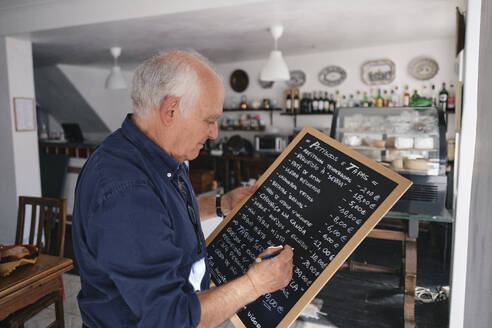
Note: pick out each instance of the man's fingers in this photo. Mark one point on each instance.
(270, 250)
(287, 253)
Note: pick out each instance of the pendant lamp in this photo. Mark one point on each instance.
(115, 80)
(275, 68)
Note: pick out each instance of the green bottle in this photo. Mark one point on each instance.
(365, 100)
(379, 99)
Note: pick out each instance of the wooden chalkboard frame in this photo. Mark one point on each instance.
(402, 185)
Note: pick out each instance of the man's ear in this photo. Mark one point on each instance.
(168, 111)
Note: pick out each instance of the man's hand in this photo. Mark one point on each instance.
(233, 197)
(272, 274)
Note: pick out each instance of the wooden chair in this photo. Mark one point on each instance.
(47, 232)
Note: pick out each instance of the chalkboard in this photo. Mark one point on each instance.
(320, 197)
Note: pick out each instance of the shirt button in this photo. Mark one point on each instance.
(169, 175)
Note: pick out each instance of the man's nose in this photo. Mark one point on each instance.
(214, 131)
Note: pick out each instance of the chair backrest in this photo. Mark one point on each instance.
(47, 223)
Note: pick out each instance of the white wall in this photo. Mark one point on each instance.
(19, 166)
(111, 105)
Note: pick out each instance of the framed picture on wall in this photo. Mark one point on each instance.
(24, 114)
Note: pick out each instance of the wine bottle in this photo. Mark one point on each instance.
(315, 102)
(332, 104)
(326, 103)
(288, 102)
(295, 109)
(443, 97)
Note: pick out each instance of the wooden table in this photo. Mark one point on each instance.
(31, 282)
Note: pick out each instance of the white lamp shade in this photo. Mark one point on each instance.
(115, 80)
(275, 68)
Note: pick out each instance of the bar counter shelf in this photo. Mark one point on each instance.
(71, 149)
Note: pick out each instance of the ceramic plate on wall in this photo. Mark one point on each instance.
(377, 72)
(239, 80)
(332, 75)
(423, 68)
(297, 79)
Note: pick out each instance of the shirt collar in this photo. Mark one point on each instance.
(163, 162)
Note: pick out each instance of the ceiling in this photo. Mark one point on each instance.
(236, 33)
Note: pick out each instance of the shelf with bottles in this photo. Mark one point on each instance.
(299, 113)
(242, 129)
(428, 95)
(249, 109)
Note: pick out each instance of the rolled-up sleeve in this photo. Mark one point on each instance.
(132, 237)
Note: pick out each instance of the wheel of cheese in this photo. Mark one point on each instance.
(416, 164)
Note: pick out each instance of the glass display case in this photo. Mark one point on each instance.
(409, 140)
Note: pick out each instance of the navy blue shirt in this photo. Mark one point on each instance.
(133, 238)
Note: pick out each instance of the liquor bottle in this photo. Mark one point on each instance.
(357, 101)
(414, 98)
(372, 98)
(365, 100)
(315, 102)
(393, 99)
(451, 98)
(295, 104)
(396, 98)
(379, 99)
(326, 103)
(443, 97)
(386, 98)
(288, 101)
(406, 98)
(333, 104)
(434, 95)
(337, 99)
(351, 102)
(343, 102)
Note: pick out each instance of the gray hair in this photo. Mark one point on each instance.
(167, 74)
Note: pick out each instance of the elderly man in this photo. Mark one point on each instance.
(137, 239)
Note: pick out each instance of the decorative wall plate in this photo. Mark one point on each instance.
(423, 68)
(376, 72)
(239, 80)
(297, 79)
(332, 75)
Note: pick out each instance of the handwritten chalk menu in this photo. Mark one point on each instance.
(320, 197)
